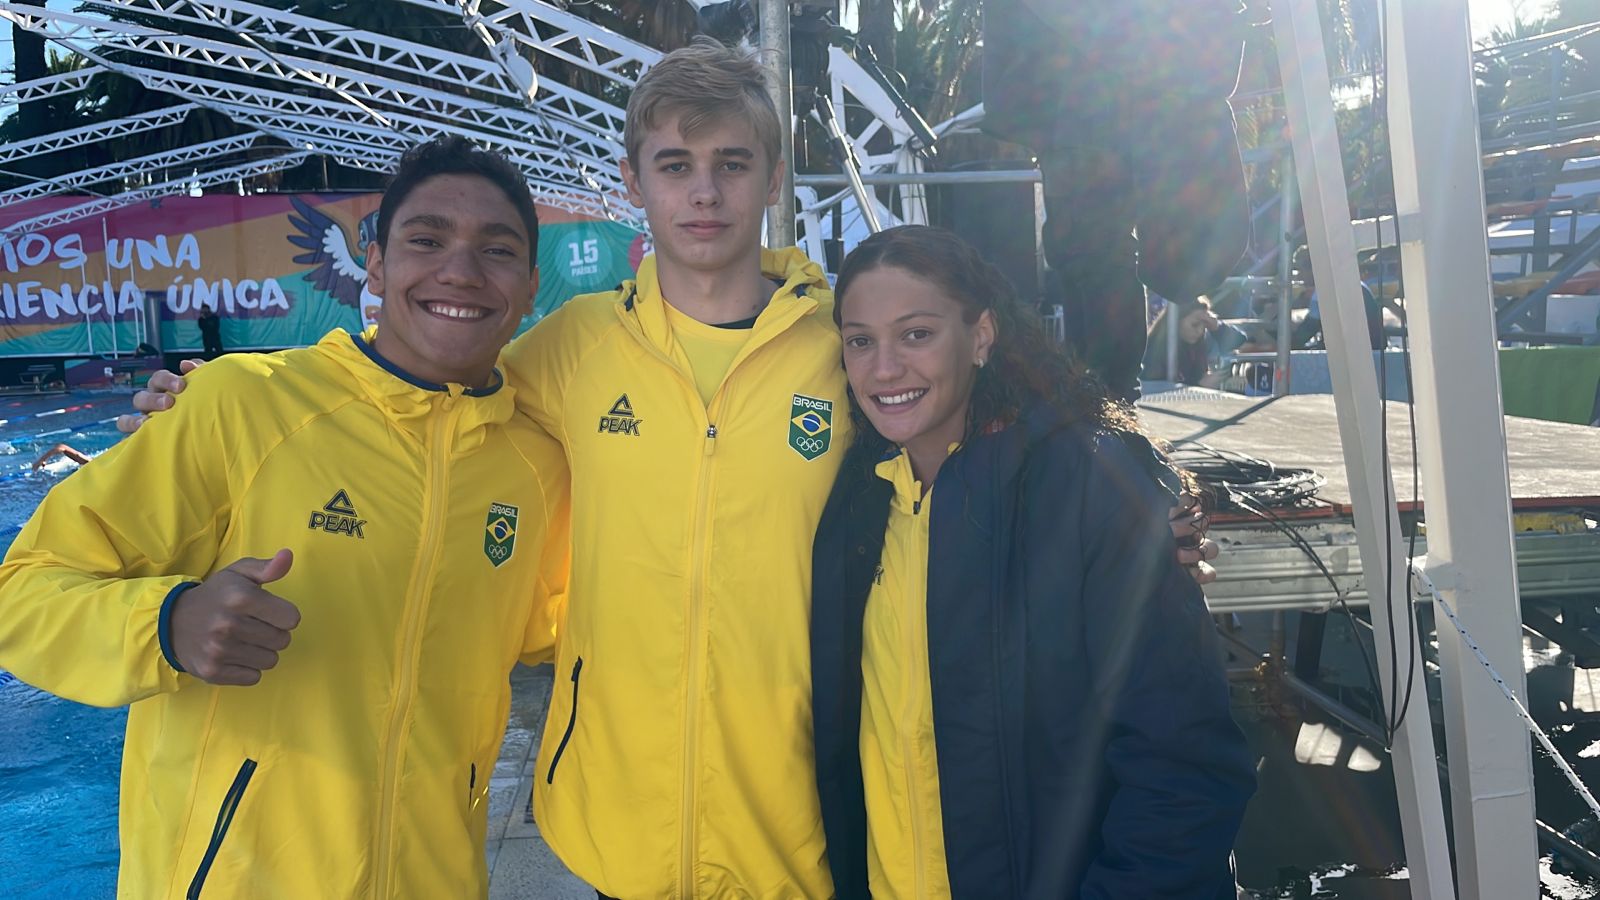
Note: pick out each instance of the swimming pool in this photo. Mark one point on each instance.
(59, 761)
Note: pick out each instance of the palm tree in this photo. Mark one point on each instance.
(939, 52)
(33, 118)
(876, 27)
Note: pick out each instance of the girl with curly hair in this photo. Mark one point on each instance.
(1017, 687)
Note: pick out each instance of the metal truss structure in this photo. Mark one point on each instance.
(298, 86)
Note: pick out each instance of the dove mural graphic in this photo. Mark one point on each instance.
(339, 269)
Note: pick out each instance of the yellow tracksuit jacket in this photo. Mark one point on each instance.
(677, 757)
(359, 766)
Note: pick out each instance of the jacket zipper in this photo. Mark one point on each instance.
(696, 646)
(693, 645)
(908, 736)
(230, 805)
(572, 721)
(434, 505)
(691, 719)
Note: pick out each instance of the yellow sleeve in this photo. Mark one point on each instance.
(84, 589)
(537, 364)
(555, 567)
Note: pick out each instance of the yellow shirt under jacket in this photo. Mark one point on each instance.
(899, 765)
(359, 766)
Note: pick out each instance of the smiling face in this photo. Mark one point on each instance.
(455, 278)
(705, 195)
(911, 358)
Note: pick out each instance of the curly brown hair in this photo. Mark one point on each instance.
(1025, 365)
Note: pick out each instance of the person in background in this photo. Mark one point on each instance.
(1308, 330)
(316, 646)
(1195, 323)
(1202, 340)
(210, 331)
(61, 450)
(1018, 691)
(1126, 106)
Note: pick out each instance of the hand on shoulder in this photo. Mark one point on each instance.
(159, 395)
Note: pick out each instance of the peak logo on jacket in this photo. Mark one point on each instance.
(810, 426)
(620, 420)
(338, 516)
(500, 533)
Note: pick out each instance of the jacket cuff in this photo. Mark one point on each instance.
(164, 623)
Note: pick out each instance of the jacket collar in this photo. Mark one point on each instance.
(407, 400)
(365, 345)
(798, 276)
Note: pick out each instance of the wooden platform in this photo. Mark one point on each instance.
(1552, 464)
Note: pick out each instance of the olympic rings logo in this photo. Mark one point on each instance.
(810, 444)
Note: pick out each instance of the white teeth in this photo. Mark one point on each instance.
(457, 312)
(897, 399)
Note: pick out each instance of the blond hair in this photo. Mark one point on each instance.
(702, 84)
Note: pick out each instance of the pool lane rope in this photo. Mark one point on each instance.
(79, 407)
(1419, 571)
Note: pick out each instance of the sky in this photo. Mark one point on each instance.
(1487, 15)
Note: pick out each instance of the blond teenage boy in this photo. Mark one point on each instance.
(703, 409)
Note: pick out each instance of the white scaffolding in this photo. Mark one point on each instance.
(305, 86)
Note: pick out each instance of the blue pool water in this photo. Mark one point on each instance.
(59, 761)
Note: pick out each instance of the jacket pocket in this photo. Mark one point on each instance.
(230, 805)
(572, 721)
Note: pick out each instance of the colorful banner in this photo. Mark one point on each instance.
(280, 270)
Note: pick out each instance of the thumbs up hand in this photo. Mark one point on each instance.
(230, 628)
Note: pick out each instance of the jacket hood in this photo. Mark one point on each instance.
(800, 278)
(406, 399)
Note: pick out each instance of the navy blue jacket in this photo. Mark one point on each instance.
(1085, 745)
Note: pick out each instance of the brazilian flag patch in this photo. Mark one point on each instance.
(810, 426)
(500, 533)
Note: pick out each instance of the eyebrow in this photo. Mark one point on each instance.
(910, 315)
(680, 153)
(445, 223)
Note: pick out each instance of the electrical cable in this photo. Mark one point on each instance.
(1256, 486)
(1240, 474)
(1381, 108)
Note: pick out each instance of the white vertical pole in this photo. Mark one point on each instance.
(780, 83)
(1438, 179)
(1323, 194)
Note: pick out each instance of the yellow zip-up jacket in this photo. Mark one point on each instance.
(359, 766)
(677, 758)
